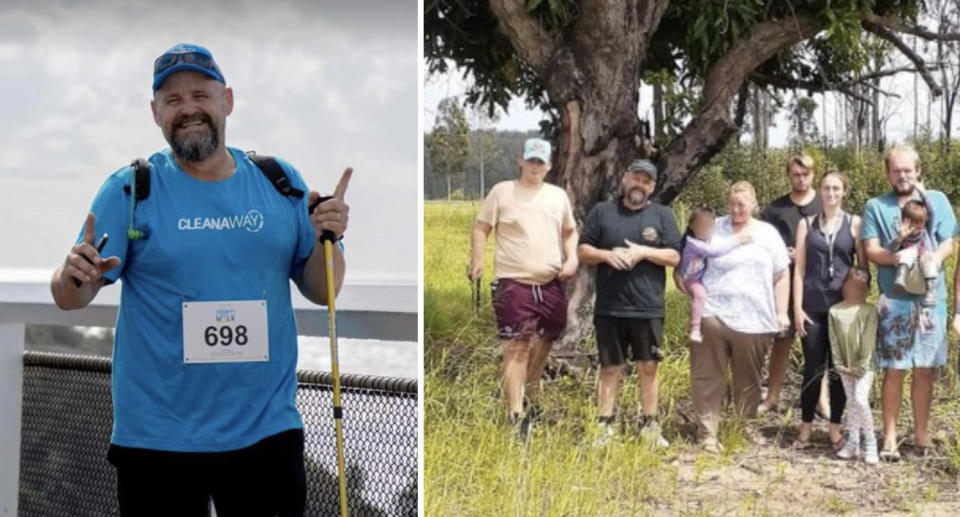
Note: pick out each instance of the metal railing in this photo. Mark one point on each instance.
(56, 410)
(67, 419)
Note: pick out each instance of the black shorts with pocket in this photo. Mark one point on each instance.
(641, 338)
(265, 479)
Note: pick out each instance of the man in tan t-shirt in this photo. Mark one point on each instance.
(536, 250)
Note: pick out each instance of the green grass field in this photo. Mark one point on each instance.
(475, 467)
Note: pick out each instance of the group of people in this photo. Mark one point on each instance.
(756, 284)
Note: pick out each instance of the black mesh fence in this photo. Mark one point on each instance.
(68, 416)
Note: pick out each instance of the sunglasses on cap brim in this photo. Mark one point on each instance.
(200, 59)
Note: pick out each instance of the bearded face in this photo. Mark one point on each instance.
(636, 187)
(903, 172)
(194, 137)
(636, 195)
(191, 110)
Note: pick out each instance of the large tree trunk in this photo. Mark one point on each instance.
(591, 73)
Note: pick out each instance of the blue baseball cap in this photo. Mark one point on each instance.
(185, 56)
(536, 148)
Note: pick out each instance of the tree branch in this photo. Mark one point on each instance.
(887, 34)
(531, 42)
(711, 128)
(917, 30)
(741, 112)
(819, 85)
(650, 13)
(765, 40)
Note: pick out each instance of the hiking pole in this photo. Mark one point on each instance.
(328, 238)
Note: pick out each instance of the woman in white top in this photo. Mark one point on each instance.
(747, 292)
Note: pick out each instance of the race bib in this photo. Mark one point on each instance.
(225, 332)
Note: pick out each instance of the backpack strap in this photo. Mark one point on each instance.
(267, 165)
(141, 173)
(277, 176)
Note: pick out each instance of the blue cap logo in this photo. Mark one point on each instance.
(185, 56)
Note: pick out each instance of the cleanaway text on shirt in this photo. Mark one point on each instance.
(252, 221)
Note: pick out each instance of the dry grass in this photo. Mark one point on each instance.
(474, 466)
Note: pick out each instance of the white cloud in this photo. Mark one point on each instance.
(321, 84)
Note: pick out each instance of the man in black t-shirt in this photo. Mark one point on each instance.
(631, 241)
(785, 213)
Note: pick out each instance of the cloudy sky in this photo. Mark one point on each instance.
(323, 84)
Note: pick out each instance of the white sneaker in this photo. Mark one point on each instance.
(851, 450)
(711, 445)
(651, 434)
(696, 336)
(606, 434)
(870, 456)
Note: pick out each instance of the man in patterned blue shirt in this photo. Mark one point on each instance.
(911, 337)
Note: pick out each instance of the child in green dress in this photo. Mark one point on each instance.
(853, 338)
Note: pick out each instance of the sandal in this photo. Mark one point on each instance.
(800, 445)
(838, 444)
(924, 451)
(890, 455)
(764, 408)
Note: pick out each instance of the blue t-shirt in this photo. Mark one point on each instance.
(881, 220)
(235, 239)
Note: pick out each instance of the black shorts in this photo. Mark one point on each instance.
(617, 336)
(265, 479)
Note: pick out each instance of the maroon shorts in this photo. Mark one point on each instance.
(525, 310)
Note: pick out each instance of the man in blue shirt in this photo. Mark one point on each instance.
(910, 336)
(204, 362)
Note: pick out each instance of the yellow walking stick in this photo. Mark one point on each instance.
(335, 367)
(328, 239)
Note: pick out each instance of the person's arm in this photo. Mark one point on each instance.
(781, 288)
(956, 300)
(896, 244)
(870, 235)
(834, 338)
(313, 282)
(859, 252)
(592, 256)
(331, 215)
(678, 281)
(945, 231)
(668, 255)
(589, 251)
(799, 272)
(867, 342)
(570, 263)
(95, 269)
(878, 254)
(478, 247)
(569, 236)
(485, 222)
(781, 275)
(928, 203)
(717, 246)
(659, 256)
(944, 250)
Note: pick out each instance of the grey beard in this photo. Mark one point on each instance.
(196, 147)
(636, 196)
